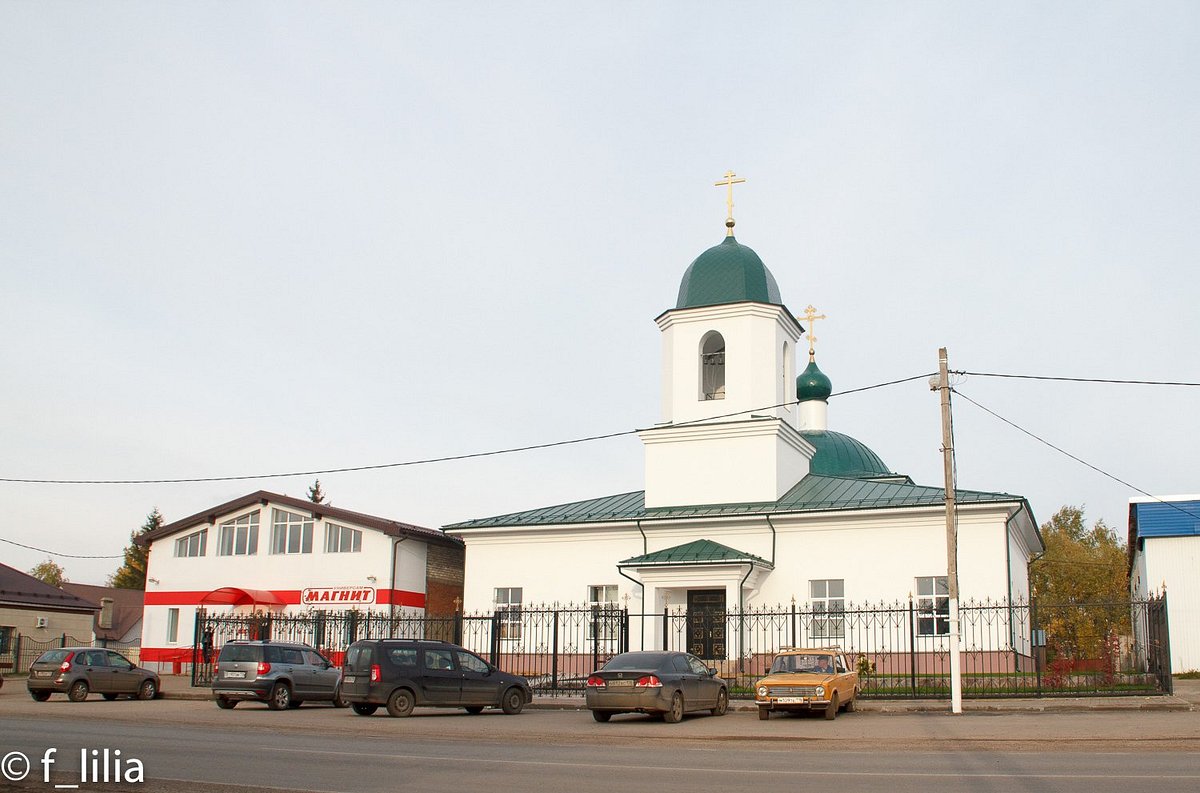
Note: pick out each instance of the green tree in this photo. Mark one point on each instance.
(315, 493)
(132, 572)
(50, 572)
(1081, 585)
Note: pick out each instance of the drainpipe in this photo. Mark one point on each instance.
(742, 617)
(620, 572)
(772, 525)
(645, 547)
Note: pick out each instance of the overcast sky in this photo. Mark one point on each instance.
(248, 238)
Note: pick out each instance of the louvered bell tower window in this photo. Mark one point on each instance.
(712, 367)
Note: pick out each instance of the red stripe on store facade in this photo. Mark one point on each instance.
(290, 597)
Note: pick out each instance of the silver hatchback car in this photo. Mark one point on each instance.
(281, 674)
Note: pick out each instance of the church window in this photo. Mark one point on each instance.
(933, 606)
(291, 532)
(192, 545)
(785, 374)
(605, 621)
(827, 597)
(239, 537)
(712, 366)
(507, 602)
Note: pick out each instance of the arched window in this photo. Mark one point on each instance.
(712, 366)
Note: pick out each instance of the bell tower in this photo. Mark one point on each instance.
(730, 426)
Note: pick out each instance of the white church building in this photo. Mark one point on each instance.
(751, 500)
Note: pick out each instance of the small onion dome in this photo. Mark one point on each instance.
(727, 273)
(813, 384)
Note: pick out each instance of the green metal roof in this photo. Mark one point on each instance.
(813, 493)
(698, 552)
(727, 273)
(840, 455)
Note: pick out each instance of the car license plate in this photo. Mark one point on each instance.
(42, 674)
(789, 700)
(620, 683)
(235, 674)
(349, 678)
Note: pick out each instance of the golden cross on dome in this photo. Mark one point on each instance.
(812, 316)
(729, 181)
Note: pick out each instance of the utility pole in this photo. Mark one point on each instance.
(943, 385)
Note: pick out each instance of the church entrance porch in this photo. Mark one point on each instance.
(706, 624)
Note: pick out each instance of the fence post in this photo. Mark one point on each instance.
(623, 646)
(595, 637)
(554, 650)
(666, 616)
(912, 648)
(1033, 644)
(793, 642)
(458, 626)
(17, 654)
(1168, 683)
(62, 641)
(494, 639)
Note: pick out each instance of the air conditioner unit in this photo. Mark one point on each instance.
(42, 622)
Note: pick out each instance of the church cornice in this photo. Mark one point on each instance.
(778, 311)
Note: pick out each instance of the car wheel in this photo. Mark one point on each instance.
(400, 703)
(602, 715)
(338, 700)
(722, 703)
(280, 697)
(832, 709)
(363, 708)
(109, 697)
(78, 691)
(851, 706)
(224, 703)
(474, 710)
(147, 691)
(763, 714)
(40, 696)
(512, 701)
(675, 714)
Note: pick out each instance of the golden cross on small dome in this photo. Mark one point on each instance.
(812, 316)
(729, 181)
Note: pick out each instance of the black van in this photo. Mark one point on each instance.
(401, 674)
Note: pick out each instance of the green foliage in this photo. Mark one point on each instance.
(315, 493)
(50, 572)
(1081, 565)
(132, 572)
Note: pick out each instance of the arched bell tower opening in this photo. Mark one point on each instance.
(712, 366)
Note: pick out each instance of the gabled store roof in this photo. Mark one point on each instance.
(813, 493)
(209, 517)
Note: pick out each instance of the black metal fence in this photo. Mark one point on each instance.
(20, 651)
(900, 650)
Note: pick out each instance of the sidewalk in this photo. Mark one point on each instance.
(1185, 698)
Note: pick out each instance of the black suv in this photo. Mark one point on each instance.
(279, 673)
(403, 673)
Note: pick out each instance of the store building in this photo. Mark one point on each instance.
(272, 554)
(1164, 556)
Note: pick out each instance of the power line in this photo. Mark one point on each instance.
(55, 553)
(426, 461)
(1079, 460)
(1079, 379)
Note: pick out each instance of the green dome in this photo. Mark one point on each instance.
(813, 384)
(841, 455)
(727, 273)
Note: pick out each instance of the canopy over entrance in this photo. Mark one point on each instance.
(235, 596)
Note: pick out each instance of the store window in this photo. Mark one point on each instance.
(239, 537)
(342, 539)
(291, 532)
(194, 544)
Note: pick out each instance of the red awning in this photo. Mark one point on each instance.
(234, 596)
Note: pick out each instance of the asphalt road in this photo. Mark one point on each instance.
(194, 746)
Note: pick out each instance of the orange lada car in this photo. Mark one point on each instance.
(814, 679)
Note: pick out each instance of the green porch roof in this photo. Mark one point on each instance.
(693, 553)
(813, 493)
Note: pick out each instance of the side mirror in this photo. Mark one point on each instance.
(712, 672)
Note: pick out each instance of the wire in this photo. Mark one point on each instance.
(54, 553)
(1079, 379)
(1081, 461)
(426, 461)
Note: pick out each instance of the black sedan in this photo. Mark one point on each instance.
(666, 683)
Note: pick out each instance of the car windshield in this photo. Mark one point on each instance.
(635, 661)
(816, 662)
(52, 657)
(238, 652)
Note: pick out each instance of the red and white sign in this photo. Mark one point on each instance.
(338, 596)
